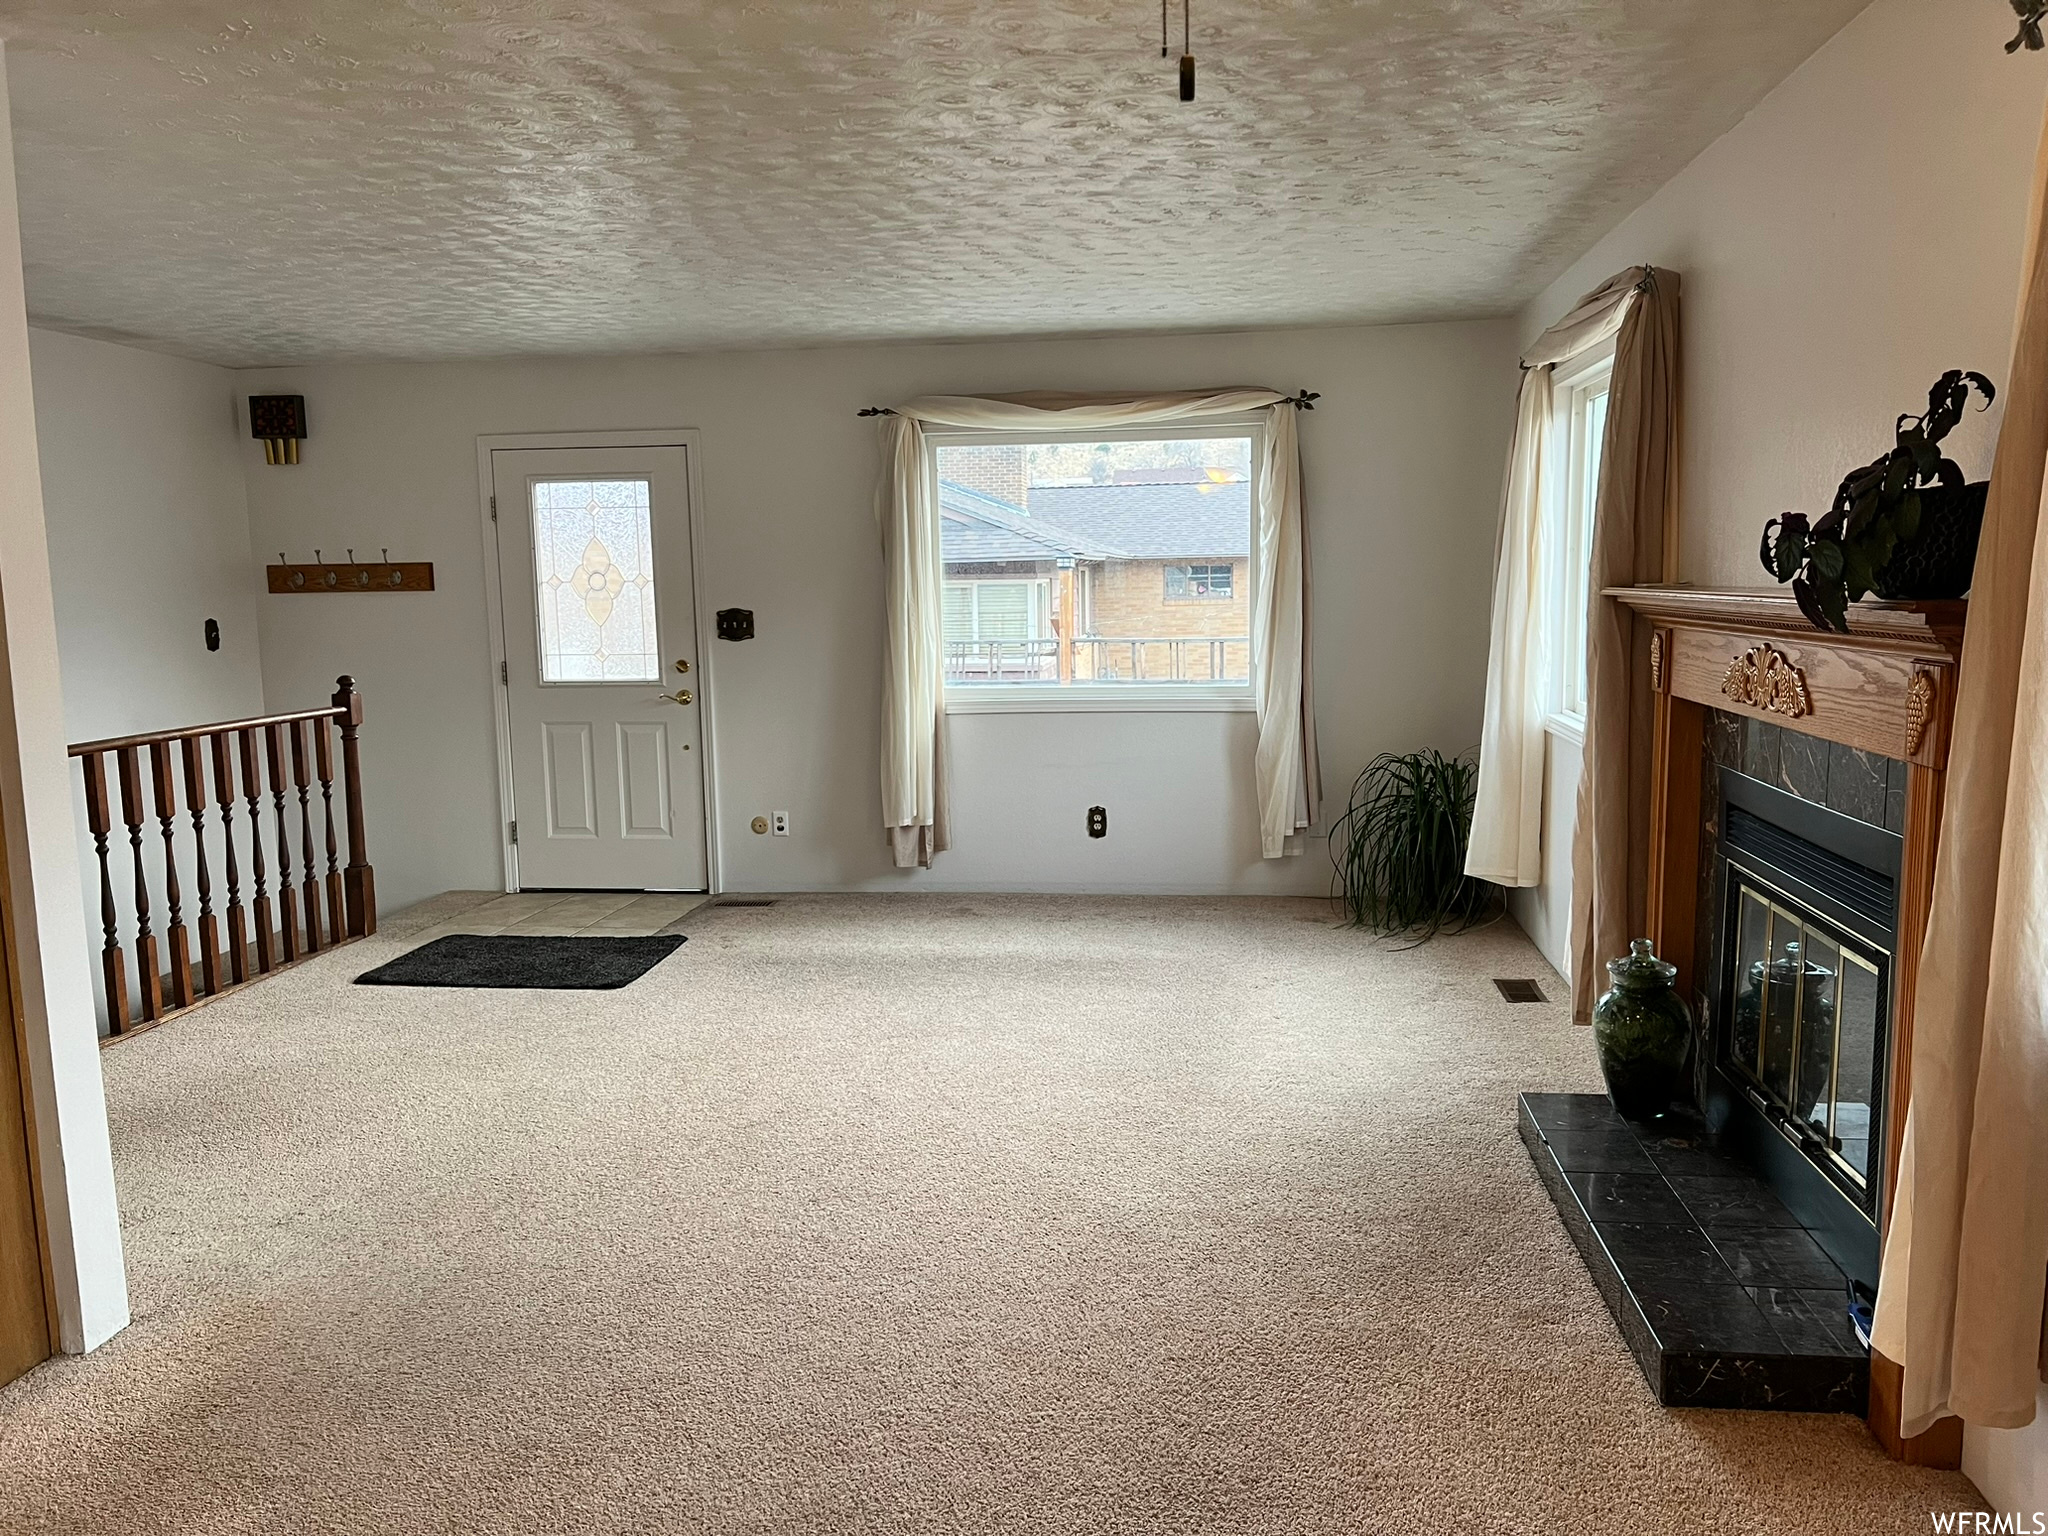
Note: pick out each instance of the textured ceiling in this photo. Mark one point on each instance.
(295, 181)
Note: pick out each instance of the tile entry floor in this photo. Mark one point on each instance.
(616, 913)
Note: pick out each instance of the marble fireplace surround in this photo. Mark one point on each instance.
(1858, 722)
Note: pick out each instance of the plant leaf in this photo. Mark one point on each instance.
(1906, 522)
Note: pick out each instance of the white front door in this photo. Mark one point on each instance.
(601, 668)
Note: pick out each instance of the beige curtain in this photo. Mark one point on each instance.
(1635, 518)
(913, 649)
(1960, 1303)
(1507, 815)
(913, 753)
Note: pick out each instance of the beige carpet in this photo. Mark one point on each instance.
(886, 1214)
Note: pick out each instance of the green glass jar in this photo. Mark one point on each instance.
(1643, 1032)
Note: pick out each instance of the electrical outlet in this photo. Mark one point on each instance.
(1098, 821)
(781, 823)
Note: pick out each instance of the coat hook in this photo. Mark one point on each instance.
(387, 556)
(316, 558)
(351, 557)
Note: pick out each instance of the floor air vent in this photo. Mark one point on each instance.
(746, 901)
(1519, 989)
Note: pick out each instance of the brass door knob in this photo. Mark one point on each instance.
(681, 696)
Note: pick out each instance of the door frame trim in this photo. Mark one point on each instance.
(691, 440)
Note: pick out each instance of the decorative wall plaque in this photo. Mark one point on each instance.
(1763, 679)
(1919, 709)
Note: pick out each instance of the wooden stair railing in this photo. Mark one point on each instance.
(280, 758)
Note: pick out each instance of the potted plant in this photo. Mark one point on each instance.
(1399, 847)
(1903, 526)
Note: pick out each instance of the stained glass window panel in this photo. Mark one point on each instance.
(593, 569)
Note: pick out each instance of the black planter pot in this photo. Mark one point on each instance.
(1938, 560)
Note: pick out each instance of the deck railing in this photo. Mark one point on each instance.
(1102, 659)
(280, 759)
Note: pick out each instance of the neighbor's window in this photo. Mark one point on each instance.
(1098, 563)
(1579, 411)
(1198, 581)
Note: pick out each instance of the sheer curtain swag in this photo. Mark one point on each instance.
(914, 811)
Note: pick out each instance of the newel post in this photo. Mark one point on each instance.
(359, 883)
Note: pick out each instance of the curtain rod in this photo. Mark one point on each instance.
(1304, 400)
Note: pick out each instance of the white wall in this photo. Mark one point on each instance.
(67, 1103)
(148, 517)
(1402, 454)
(1860, 231)
(1544, 911)
(2010, 1466)
(1856, 234)
(148, 520)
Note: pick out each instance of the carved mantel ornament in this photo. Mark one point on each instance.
(1919, 709)
(1763, 679)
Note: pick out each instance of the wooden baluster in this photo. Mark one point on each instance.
(359, 880)
(323, 762)
(224, 797)
(209, 925)
(302, 780)
(287, 893)
(165, 787)
(252, 791)
(113, 961)
(151, 979)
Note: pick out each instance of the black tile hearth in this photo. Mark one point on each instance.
(1732, 1202)
(1573, 1112)
(1773, 1256)
(1690, 1157)
(1600, 1152)
(1642, 1196)
(1807, 1320)
(1724, 1300)
(1662, 1254)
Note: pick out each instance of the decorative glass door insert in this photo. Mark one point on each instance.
(593, 556)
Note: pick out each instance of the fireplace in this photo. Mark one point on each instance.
(1796, 1025)
(1794, 785)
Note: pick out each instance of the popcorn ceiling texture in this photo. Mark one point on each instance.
(303, 182)
(887, 1214)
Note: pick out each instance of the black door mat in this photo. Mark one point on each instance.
(571, 962)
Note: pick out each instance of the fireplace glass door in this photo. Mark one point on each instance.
(1806, 1028)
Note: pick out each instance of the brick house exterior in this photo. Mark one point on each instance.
(1137, 579)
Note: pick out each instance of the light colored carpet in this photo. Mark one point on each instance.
(910, 1214)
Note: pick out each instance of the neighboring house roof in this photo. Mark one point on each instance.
(1099, 522)
(977, 527)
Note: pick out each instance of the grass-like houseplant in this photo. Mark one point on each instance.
(1399, 847)
(1904, 525)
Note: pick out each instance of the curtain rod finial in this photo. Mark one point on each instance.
(1305, 400)
(876, 410)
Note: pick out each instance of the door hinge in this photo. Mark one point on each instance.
(512, 827)
(505, 673)
(494, 509)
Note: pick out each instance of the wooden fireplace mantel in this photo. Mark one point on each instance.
(1888, 686)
